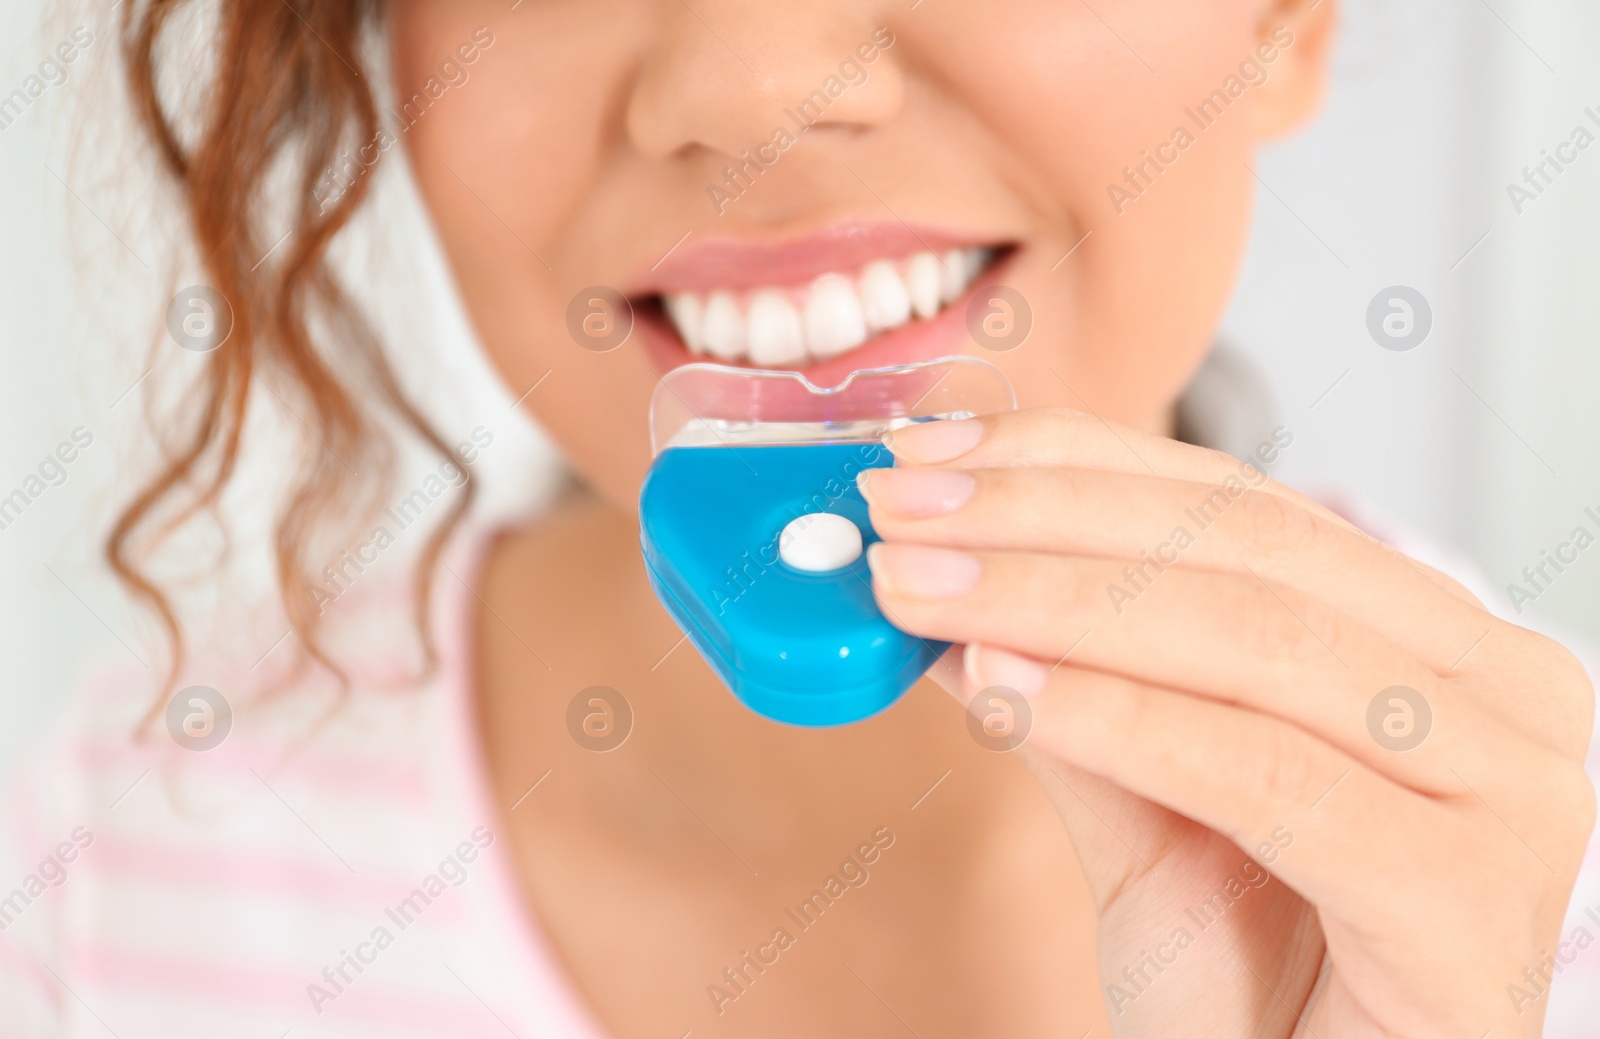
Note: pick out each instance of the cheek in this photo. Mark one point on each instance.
(506, 164)
(1125, 318)
(504, 158)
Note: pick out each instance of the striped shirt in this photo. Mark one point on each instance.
(331, 868)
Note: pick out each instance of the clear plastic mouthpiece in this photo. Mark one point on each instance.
(704, 405)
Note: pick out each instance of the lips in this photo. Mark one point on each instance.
(847, 297)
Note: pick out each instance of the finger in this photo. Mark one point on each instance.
(1064, 437)
(1119, 836)
(1521, 678)
(1155, 523)
(1345, 838)
(1321, 816)
(1230, 638)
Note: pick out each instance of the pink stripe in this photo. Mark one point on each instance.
(14, 962)
(194, 980)
(241, 873)
(342, 772)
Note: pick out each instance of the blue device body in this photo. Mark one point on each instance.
(802, 648)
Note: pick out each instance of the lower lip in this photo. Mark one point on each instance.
(943, 335)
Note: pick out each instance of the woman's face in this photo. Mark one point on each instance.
(836, 184)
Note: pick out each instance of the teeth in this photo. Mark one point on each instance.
(788, 326)
(722, 327)
(834, 321)
(922, 279)
(977, 260)
(953, 278)
(687, 314)
(885, 299)
(774, 332)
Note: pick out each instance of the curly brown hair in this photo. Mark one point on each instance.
(290, 89)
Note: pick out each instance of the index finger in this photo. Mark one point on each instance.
(1057, 436)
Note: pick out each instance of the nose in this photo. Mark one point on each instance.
(725, 75)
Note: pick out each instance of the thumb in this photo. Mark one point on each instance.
(1119, 837)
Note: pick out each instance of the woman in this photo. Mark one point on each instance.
(1282, 781)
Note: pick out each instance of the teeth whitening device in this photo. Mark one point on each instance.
(754, 534)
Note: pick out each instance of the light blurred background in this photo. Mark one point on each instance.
(1480, 438)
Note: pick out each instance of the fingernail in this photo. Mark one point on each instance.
(920, 572)
(916, 493)
(931, 442)
(988, 667)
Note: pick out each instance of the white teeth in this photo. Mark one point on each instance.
(953, 277)
(791, 326)
(977, 260)
(686, 313)
(884, 298)
(774, 330)
(722, 326)
(834, 321)
(922, 280)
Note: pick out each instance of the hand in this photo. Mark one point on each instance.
(1210, 661)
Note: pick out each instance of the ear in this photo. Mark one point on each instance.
(1300, 33)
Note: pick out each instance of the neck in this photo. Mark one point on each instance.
(572, 590)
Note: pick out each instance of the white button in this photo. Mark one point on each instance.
(819, 541)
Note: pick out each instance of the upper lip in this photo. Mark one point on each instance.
(705, 263)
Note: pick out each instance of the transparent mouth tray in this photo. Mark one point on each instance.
(704, 405)
(754, 534)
